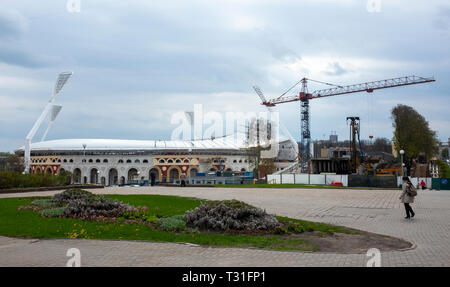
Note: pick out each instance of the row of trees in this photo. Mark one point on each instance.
(11, 162)
(11, 176)
(13, 180)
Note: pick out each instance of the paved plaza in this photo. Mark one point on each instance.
(377, 211)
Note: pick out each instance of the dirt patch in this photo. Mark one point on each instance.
(352, 243)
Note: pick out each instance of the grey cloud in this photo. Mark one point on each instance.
(18, 56)
(12, 24)
(152, 53)
(442, 20)
(335, 69)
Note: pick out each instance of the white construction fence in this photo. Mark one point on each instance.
(302, 178)
(328, 179)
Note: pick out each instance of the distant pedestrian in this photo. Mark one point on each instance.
(152, 179)
(183, 180)
(407, 197)
(422, 184)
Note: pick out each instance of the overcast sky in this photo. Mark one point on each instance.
(136, 63)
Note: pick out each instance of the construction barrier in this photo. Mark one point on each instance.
(356, 180)
(372, 181)
(441, 183)
(416, 181)
(317, 179)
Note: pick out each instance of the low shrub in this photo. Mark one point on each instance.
(71, 194)
(80, 203)
(95, 205)
(295, 227)
(45, 203)
(280, 230)
(224, 217)
(173, 223)
(9, 180)
(52, 212)
(229, 203)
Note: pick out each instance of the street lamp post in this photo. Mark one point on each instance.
(401, 155)
(189, 165)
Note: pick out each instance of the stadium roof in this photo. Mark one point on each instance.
(224, 143)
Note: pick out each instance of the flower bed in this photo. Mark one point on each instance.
(229, 216)
(84, 205)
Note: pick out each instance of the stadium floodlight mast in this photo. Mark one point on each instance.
(54, 113)
(49, 108)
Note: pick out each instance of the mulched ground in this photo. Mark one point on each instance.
(353, 243)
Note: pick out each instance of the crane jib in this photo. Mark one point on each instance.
(363, 87)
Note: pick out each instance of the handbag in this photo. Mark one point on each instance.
(412, 191)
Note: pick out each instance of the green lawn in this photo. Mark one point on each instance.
(27, 223)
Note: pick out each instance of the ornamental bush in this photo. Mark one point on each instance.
(173, 223)
(71, 194)
(96, 205)
(45, 203)
(52, 212)
(82, 203)
(230, 216)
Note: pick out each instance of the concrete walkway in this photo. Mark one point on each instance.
(376, 211)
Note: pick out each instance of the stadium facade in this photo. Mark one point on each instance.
(116, 162)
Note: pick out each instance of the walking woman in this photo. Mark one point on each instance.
(407, 196)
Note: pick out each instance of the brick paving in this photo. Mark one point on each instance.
(376, 211)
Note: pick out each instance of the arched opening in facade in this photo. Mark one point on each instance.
(153, 176)
(193, 172)
(122, 180)
(174, 175)
(84, 179)
(113, 177)
(103, 181)
(133, 174)
(94, 176)
(38, 170)
(77, 175)
(48, 170)
(61, 171)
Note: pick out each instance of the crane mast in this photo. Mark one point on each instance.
(304, 97)
(305, 153)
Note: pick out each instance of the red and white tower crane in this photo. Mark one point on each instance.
(304, 97)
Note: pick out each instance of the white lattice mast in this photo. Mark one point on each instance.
(49, 108)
